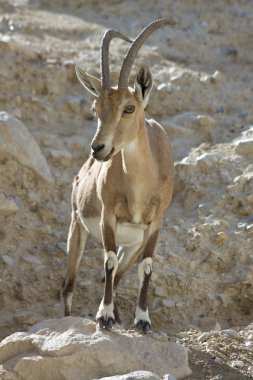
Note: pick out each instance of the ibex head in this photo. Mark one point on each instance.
(120, 108)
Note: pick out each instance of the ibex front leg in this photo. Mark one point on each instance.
(105, 315)
(142, 321)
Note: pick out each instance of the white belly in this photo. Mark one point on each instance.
(127, 234)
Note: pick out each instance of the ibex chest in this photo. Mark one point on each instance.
(136, 206)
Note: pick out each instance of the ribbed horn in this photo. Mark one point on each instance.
(135, 47)
(104, 60)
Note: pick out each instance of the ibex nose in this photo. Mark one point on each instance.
(97, 148)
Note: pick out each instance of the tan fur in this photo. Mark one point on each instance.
(139, 177)
(134, 186)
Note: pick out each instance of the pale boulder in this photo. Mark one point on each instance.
(18, 142)
(244, 143)
(137, 375)
(72, 348)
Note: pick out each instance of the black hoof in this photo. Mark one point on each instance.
(105, 323)
(100, 322)
(143, 326)
(110, 322)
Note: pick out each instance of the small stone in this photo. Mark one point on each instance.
(237, 364)
(7, 206)
(211, 79)
(169, 377)
(249, 345)
(205, 121)
(33, 206)
(244, 147)
(33, 197)
(231, 52)
(250, 336)
(217, 360)
(160, 291)
(250, 326)
(222, 236)
(230, 332)
(217, 75)
(168, 303)
(46, 229)
(84, 283)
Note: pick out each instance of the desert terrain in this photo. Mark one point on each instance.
(201, 293)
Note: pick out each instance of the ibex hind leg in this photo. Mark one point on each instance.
(77, 238)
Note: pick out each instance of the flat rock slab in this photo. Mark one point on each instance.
(72, 348)
(136, 375)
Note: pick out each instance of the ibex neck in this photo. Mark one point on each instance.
(136, 156)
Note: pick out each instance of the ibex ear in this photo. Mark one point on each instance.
(91, 83)
(143, 84)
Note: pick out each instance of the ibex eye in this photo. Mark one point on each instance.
(129, 109)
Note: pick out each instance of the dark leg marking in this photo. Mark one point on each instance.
(108, 285)
(105, 315)
(142, 320)
(143, 295)
(116, 313)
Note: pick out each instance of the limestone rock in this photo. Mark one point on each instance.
(244, 144)
(245, 147)
(69, 348)
(230, 332)
(17, 141)
(137, 375)
(169, 377)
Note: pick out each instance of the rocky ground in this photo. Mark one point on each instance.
(201, 293)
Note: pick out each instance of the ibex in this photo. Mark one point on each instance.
(121, 192)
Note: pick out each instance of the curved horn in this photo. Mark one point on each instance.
(135, 47)
(104, 60)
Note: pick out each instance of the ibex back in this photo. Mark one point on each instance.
(121, 192)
